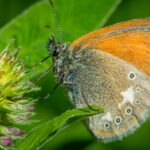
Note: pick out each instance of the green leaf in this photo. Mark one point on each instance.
(32, 35)
(47, 130)
(76, 17)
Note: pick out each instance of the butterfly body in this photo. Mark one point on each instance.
(103, 68)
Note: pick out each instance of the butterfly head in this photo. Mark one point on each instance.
(56, 48)
(60, 57)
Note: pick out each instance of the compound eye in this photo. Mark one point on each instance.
(64, 46)
(55, 51)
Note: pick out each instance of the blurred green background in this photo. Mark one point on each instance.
(76, 136)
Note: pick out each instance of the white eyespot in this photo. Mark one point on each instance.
(131, 75)
(128, 111)
(137, 89)
(118, 120)
(107, 125)
(137, 102)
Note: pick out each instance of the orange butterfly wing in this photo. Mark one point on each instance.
(129, 41)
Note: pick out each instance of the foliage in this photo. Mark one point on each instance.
(76, 18)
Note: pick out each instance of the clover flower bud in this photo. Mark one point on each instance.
(16, 106)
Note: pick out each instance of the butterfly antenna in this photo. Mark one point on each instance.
(56, 21)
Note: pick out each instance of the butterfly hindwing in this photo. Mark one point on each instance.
(112, 83)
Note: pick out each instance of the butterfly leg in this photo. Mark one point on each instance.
(44, 74)
(39, 63)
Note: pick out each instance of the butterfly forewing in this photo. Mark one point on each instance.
(129, 41)
(112, 69)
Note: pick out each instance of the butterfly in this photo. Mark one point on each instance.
(109, 67)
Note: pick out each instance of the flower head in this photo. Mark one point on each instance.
(16, 107)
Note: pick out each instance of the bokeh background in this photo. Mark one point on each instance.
(76, 136)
